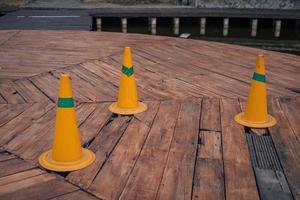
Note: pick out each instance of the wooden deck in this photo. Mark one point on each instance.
(185, 146)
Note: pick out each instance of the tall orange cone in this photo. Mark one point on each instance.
(66, 153)
(127, 103)
(256, 112)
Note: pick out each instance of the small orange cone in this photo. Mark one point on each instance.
(256, 112)
(127, 103)
(66, 153)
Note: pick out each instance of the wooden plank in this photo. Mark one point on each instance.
(79, 194)
(110, 181)
(26, 138)
(177, 181)
(29, 92)
(12, 187)
(103, 145)
(10, 94)
(44, 186)
(209, 175)
(20, 176)
(210, 118)
(144, 180)
(23, 121)
(94, 123)
(2, 100)
(48, 84)
(13, 166)
(6, 156)
(291, 106)
(10, 111)
(147, 116)
(239, 177)
(287, 146)
(106, 90)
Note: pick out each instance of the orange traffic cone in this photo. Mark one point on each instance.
(127, 103)
(66, 153)
(256, 112)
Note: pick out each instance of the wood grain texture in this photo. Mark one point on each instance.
(158, 154)
(239, 176)
(177, 180)
(287, 146)
(146, 176)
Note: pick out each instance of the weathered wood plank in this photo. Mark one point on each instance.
(112, 178)
(210, 118)
(43, 186)
(287, 147)
(144, 180)
(10, 94)
(106, 90)
(10, 111)
(147, 116)
(79, 195)
(29, 92)
(291, 107)
(239, 177)
(209, 175)
(95, 122)
(177, 180)
(13, 166)
(102, 145)
(20, 176)
(6, 156)
(23, 121)
(48, 84)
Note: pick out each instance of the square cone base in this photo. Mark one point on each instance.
(47, 162)
(239, 118)
(127, 111)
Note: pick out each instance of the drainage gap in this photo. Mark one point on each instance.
(271, 182)
(296, 90)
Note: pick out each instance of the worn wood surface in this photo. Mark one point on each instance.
(185, 146)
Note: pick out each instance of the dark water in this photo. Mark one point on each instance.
(239, 31)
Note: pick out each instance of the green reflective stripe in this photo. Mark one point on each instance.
(259, 77)
(65, 103)
(127, 71)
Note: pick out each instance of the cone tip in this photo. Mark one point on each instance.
(65, 90)
(261, 55)
(127, 60)
(64, 76)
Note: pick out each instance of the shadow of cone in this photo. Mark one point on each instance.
(66, 153)
(256, 112)
(127, 103)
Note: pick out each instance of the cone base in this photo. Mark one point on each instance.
(127, 111)
(47, 162)
(239, 118)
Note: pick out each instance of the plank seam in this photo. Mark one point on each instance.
(17, 114)
(108, 155)
(13, 35)
(198, 148)
(167, 159)
(287, 119)
(131, 171)
(44, 93)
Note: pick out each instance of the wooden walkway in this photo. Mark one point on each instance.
(185, 146)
